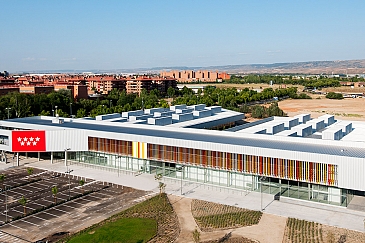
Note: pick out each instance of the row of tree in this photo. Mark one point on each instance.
(259, 111)
(313, 82)
(14, 105)
(232, 98)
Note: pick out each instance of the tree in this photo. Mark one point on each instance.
(81, 183)
(161, 185)
(171, 92)
(81, 113)
(54, 192)
(23, 201)
(196, 235)
(30, 171)
(61, 113)
(2, 178)
(45, 113)
(21, 104)
(333, 95)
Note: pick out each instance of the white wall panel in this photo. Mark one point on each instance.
(351, 174)
(59, 140)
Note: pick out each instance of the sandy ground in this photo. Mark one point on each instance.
(346, 109)
(269, 230)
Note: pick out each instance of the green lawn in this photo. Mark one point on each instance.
(126, 230)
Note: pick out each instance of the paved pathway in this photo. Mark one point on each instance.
(182, 207)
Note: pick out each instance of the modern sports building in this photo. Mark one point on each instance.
(321, 160)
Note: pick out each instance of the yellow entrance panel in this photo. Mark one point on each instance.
(139, 150)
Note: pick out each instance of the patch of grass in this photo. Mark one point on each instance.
(302, 231)
(157, 209)
(127, 230)
(229, 220)
(210, 216)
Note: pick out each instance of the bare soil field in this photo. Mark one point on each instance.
(346, 109)
(345, 89)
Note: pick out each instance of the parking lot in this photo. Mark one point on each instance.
(90, 203)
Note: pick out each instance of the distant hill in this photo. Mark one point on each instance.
(313, 67)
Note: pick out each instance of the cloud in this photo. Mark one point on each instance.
(28, 59)
(69, 59)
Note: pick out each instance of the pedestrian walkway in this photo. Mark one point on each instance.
(311, 211)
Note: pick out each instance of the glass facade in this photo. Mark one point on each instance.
(289, 178)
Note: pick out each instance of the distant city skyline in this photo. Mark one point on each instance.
(97, 35)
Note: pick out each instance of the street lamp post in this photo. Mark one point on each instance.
(66, 156)
(182, 174)
(119, 157)
(69, 182)
(8, 108)
(260, 180)
(71, 109)
(6, 204)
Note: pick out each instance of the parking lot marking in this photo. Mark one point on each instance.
(44, 199)
(86, 199)
(16, 226)
(77, 202)
(68, 206)
(39, 204)
(105, 195)
(49, 214)
(16, 192)
(37, 188)
(29, 222)
(60, 210)
(90, 195)
(48, 181)
(37, 217)
(13, 209)
(22, 189)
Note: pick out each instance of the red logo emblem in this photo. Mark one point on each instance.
(28, 141)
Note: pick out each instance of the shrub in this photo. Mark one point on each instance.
(333, 95)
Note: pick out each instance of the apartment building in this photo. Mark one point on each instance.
(187, 76)
(137, 84)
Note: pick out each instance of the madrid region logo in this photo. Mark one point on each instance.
(28, 141)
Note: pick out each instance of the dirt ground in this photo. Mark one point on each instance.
(346, 109)
(272, 225)
(270, 229)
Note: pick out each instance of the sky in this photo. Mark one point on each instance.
(126, 34)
